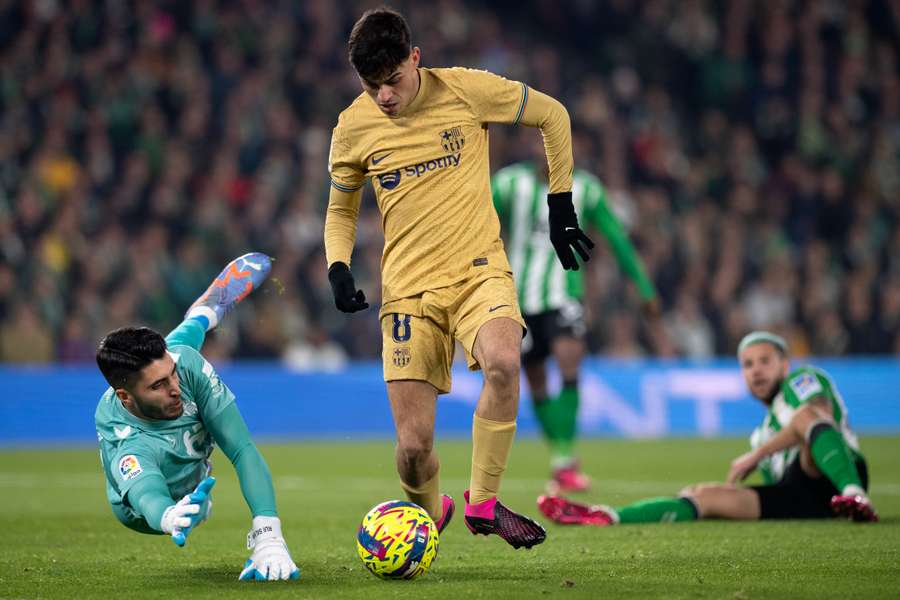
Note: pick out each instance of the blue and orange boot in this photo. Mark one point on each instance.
(491, 517)
(240, 277)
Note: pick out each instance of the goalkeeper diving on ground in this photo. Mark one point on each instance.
(163, 413)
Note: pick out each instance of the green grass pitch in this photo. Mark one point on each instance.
(61, 541)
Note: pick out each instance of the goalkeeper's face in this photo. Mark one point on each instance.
(156, 395)
(764, 367)
(396, 89)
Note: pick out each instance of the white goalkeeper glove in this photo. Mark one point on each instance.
(180, 518)
(270, 559)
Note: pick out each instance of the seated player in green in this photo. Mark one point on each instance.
(165, 409)
(808, 456)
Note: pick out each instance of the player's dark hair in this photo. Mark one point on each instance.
(378, 43)
(124, 352)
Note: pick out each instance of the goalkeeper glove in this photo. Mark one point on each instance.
(565, 234)
(179, 519)
(270, 559)
(347, 298)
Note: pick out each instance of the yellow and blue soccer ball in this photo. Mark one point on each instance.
(397, 540)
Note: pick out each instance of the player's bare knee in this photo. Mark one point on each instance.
(688, 490)
(501, 370)
(413, 453)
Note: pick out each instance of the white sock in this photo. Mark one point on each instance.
(204, 311)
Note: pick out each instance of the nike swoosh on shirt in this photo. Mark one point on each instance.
(493, 308)
(375, 161)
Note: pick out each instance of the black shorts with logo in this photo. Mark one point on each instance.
(799, 496)
(545, 327)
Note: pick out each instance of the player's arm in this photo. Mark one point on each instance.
(340, 234)
(815, 409)
(606, 222)
(551, 117)
(344, 196)
(144, 489)
(270, 559)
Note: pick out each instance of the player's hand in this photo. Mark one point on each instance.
(347, 298)
(180, 518)
(270, 559)
(565, 234)
(742, 466)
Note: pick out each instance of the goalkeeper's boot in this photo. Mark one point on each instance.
(570, 479)
(240, 277)
(855, 507)
(491, 517)
(565, 512)
(448, 507)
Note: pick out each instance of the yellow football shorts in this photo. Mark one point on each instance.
(418, 339)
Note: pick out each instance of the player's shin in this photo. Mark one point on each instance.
(491, 443)
(426, 494)
(567, 415)
(658, 510)
(833, 458)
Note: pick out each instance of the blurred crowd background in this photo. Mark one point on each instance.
(752, 148)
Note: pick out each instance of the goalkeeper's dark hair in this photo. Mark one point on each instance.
(379, 42)
(124, 352)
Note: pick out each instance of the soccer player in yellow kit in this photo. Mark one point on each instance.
(421, 136)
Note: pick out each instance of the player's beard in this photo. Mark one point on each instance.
(166, 412)
(773, 391)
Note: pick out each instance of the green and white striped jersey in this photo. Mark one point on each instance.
(801, 385)
(520, 197)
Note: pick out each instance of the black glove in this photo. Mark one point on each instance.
(347, 298)
(565, 233)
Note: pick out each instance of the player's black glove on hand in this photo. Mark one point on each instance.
(565, 233)
(347, 298)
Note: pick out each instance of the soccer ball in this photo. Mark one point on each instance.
(397, 540)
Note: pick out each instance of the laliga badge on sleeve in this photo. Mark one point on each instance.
(129, 467)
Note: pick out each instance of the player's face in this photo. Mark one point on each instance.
(157, 393)
(395, 92)
(764, 368)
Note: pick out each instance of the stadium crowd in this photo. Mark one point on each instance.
(753, 149)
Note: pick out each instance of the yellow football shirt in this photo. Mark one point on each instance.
(430, 170)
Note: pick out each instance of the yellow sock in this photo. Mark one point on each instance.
(491, 441)
(427, 495)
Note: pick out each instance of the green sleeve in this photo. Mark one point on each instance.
(606, 222)
(231, 434)
(804, 384)
(150, 498)
(500, 195)
(189, 333)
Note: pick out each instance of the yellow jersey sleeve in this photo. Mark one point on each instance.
(491, 98)
(552, 118)
(340, 224)
(344, 167)
(347, 178)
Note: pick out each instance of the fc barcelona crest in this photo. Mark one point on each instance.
(401, 356)
(453, 139)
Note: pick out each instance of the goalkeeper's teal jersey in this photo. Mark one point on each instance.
(520, 197)
(801, 385)
(132, 449)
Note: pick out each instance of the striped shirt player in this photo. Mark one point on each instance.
(550, 296)
(802, 384)
(808, 457)
(543, 285)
